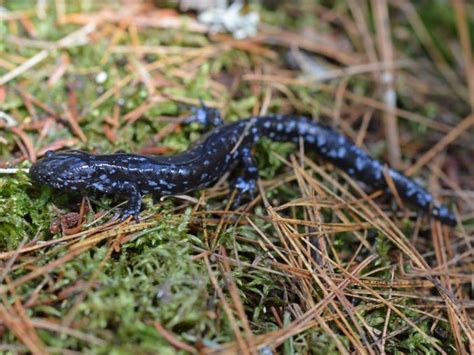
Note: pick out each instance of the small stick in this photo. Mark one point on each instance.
(13, 170)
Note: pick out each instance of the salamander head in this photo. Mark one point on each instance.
(69, 169)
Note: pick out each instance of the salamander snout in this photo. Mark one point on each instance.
(69, 169)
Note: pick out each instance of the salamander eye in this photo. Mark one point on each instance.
(49, 153)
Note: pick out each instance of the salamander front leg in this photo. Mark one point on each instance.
(208, 117)
(134, 201)
(246, 184)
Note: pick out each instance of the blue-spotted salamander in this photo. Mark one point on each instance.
(218, 151)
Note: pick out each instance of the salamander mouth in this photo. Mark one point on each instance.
(42, 176)
(59, 182)
(38, 175)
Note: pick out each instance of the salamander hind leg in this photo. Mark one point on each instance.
(246, 184)
(208, 117)
(134, 201)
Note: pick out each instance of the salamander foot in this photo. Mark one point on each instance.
(134, 201)
(127, 213)
(444, 215)
(244, 187)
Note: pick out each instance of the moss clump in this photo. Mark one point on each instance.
(23, 213)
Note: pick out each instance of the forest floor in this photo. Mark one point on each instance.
(316, 263)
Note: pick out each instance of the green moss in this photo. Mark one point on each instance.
(22, 214)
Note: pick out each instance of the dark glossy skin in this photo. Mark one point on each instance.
(216, 153)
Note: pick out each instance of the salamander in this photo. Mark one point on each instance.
(220, 150)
